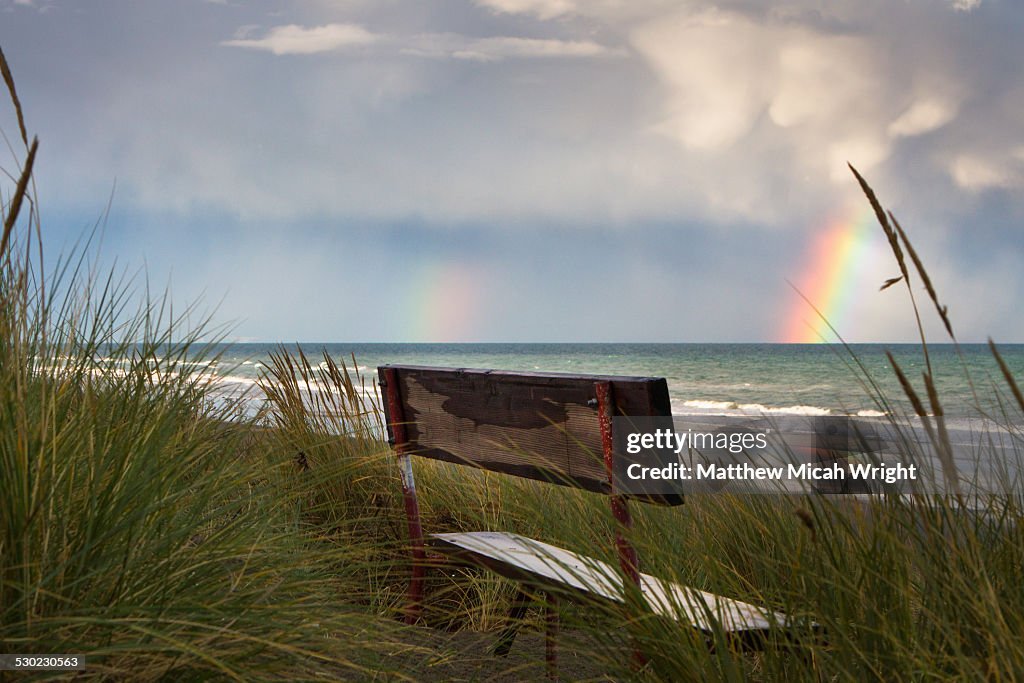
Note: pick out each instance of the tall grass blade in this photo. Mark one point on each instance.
(908, 389)
(19, 195)
(883, 221)
(894, 244)
(943, 311)
(5, 71)
(943, 445)
(1007, 375)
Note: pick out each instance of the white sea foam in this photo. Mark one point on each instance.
(707, 407)
(808, 411)
(229, 380)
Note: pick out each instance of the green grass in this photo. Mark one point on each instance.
(137, 526)
(904, 588)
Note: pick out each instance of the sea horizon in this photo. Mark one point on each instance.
(741, 378)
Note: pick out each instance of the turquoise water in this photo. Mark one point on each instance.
(702, 378)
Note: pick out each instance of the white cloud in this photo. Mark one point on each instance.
(864, 152)
(820, 77)
(489, 49)
(606, 12)
(975, 173)
(727, 75)
(803, 96)
(293, 39)
(543, 9)
(966, 5)
(923, 116)
(706, 61)
(725, 117)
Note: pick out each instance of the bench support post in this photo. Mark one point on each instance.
(550, 635)
(605, 412)
(515, 619)
(412, 508)
(627, 553)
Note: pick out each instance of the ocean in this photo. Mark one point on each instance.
(726, 379)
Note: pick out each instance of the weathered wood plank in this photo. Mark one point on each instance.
(534, 425)
(531, 561)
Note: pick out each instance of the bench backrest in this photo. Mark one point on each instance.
(546, 426)
(537, 425)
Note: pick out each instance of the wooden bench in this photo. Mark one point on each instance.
(549, 427)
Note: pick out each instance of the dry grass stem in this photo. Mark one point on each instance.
(908, 389)
(943, 311)
(1007, 375)
(20, 192)
(5, 71)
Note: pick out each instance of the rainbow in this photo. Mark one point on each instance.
(834, 262)
(443, 302)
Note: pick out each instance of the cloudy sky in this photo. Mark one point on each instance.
(535, 170)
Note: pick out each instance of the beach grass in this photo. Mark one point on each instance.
(166, 538)
(902, 588)
(139, 526)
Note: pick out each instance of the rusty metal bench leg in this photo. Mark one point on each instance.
(550, 634)
(515, 619)
(628, 561)
(400, 443)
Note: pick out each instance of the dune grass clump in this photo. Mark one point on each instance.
(138, 526)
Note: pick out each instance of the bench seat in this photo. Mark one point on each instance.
(537, 563)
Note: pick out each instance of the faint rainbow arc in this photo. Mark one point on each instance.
(442, 304)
